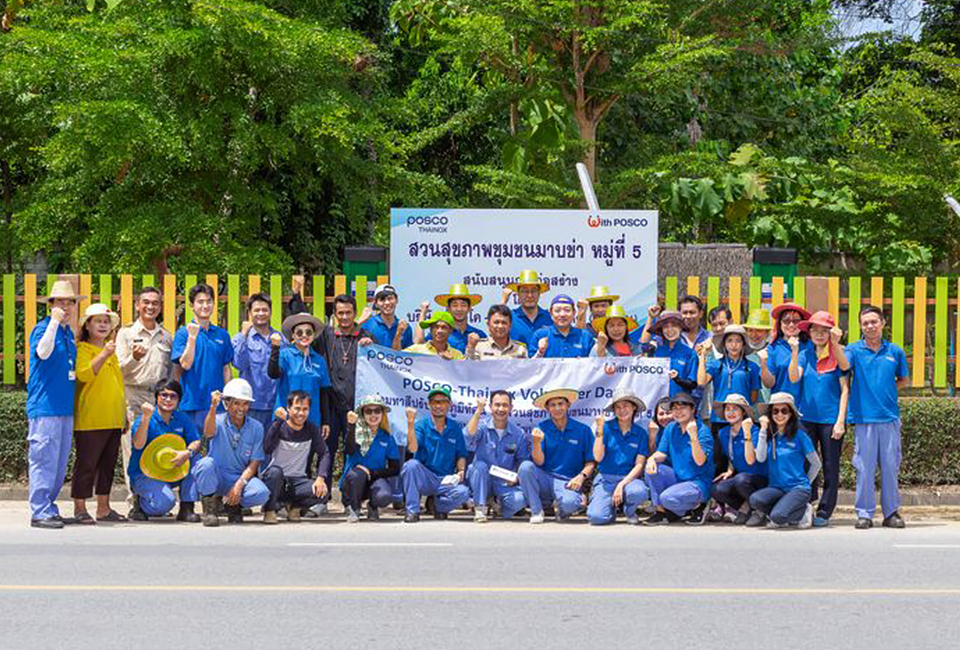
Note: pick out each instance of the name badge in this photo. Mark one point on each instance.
(573, 441)
(71, 375)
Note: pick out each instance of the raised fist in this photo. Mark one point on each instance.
(352, 417)
(366, 314)
(705, 347)
(411, 414)
(692, 428)
(424, 306)
(674, 374)
(653, 311)
(835, 335)
(481, 404)
(402, 326)
(110, 348)
(276, 339)
(598, 428)
(537, 434)
(764, 422)
(794, 342)
(147, 409)
(57, 314)
(747, 425)
(215, 399)
(582, 306)
(280, 413)
(245, 327)
(542, 346)
(472, 339)
(601, 339)
(762, 355)
(193, 329)
(653, 427)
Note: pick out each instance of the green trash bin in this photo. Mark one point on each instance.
(770, 263)
(369, 261)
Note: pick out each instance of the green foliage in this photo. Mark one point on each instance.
(13, 435)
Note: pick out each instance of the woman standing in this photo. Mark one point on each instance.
(301, 367)
(99, 414)
(613, 334)
(745, 474)
(786, 499)
(661, 340)
(824, 391)
(372, 458)
(775, 359)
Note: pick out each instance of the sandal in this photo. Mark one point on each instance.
(113, 516)
(84, 518)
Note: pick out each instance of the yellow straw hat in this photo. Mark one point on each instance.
(600, 293)
(567, 393)
(458, 291)
(61, 289)
(615, 311)
(156, 462)
(528, 278)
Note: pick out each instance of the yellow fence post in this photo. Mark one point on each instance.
(919, 331)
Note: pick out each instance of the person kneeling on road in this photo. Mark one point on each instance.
(290, 442)
(439, 459)
(235, 454)
(372, 458)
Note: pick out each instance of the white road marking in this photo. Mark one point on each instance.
(372, 544)
(926, 546)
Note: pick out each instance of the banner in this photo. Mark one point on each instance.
(572, 250)
(404, 379)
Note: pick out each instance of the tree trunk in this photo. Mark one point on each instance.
(588, 133)
(8, 211)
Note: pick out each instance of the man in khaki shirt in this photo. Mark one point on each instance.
(498, 345)
(143, 349)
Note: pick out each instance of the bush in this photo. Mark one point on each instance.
(13, 435)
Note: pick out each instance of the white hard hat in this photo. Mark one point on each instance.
(238, 389)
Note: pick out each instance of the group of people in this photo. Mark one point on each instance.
(754, 413)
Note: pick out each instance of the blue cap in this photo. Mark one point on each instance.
(563, 299)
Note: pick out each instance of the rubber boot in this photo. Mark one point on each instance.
(136, 512)
(187, 513)
(210, 518)
(234, 514)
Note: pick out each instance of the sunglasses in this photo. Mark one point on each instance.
(780, 410)
(792, 320)
(168, 396)
(303, 331)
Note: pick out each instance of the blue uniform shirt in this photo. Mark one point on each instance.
(620, 450)
(819, 392)
(383, 335)
(251, 355)
(458, 340)
(306, 373)
(179, 424)
(522, 328)
(873, 388)
(785, 461)
(577, 343)
(233, 450)
(212, 352)
(566, 452)
(741, 377)
(675, 443)
(52, 380)
(682, 359)
(735, 450)
(439, 451)
(778, 363)
(506, 452)
(382, 448)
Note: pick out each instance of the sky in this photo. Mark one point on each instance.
(906, 21)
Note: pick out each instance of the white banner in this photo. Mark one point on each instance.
(403, 380)
(572, 250)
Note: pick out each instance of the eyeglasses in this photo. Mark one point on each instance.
(780, 410)
(168, 396)
(303, 331)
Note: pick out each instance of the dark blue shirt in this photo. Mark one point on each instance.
(251, 355)
(306, 373)
(735, 450)
(213, 351)
(52, 380)
(873, 388)
(675, 443)
(382, 448)
(383, 335)
(507, 451)
(566, 452)
(179, 425)
(577, 343)
(819, 392)
(785, 461)
(682, 359)
(439, 451)
(742, 377)
(620, 450)
(522, 328)
(778, 363)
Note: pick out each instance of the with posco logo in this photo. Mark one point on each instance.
(390, 358)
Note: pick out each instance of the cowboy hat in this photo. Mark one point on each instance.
(780, 398)
(63, 290)
(438, 317)
(458, 291)
(789, 306)
(567, 393)
(734, 398)
(528, 278)
(626, 395)
(615, 311)
(759, 319)
(290, 323)
(156, 461)
(664, 318)
(373, 399)
(821, 318)
(99, 309)
(720, 339)
(601, 293)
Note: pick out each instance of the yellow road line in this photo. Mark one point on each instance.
(695, 591)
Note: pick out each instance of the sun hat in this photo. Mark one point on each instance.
(683, 398)
(734, 398)
(383, 290)
(528, 278)
(567, 393)
(440, 390)
(438, 317)
(664, 318)
(626, 395)
(290, 323)
(759, 319)
(63, 290)
(458, 291)
(615, 311)
(599, 293)
(720, 340)
(780, 398)
(789, 306)
(156, 461)
(238, 389)
(99, 309)
(821, 318)
(373, 399)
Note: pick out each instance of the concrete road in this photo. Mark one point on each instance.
(463, 585)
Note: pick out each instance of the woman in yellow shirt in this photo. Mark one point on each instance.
(99, 414)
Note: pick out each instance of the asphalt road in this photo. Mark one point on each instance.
(459, 584)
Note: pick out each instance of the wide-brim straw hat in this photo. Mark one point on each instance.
(734, 398)
(461, 291)
(99, 309)
(599, 293)
(780, 398)
(720, 340)
(759, 319)
(821, 318)
(290, 323)
(567, 393)
(626, 395)
(664, 318)
(63, 290)
(615, 311)
(156, 461)
(373, 399)
(528, 278)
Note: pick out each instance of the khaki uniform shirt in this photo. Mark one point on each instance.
(487, 349)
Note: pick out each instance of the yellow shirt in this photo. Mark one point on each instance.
(99, 401)
(427, 348)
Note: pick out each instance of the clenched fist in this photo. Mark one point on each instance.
(472, 339)
(147, 409)
(537, 434)
(215, 399)
(58, 314)
(542, 346)
(193, 329)
(598, 426)
(653, 311)
(835, 335)
(411, 414)
(352, 417)
(481, 404)
(764, 422)
(276, 339)
(692, 428)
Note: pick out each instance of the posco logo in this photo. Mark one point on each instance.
(435, 220)
(391, 358)
(596, 221)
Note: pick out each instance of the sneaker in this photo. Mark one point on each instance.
(697, 516)
(320, 509)
(270, 517)
(352, 516)
(441, 516)
(537, 518)
(50, 523)
(731, 516)
(411, 518)
(373, 514)
(806, 521)
(549, 510)
(658, 519)
(633, 519)
(894, 521)
(863, 523)
(479, 516)
(772, 524)
(756, 519)
(741, 518)
(820, 522)
(715, 515)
